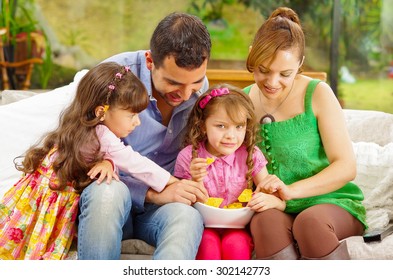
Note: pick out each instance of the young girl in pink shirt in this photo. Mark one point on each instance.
(37, 215)
(222, 126)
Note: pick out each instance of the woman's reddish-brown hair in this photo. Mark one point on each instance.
(282, 31)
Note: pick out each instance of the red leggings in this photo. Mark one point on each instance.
(316, 231)
(225, 244)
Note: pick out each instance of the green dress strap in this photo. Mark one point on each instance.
(309, 93)
(247, 89)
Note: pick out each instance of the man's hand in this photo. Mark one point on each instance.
(184, 191)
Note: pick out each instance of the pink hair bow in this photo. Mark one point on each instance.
(214, 93)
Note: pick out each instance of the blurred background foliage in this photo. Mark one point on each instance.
(84, 32)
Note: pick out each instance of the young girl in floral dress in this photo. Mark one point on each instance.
(38, 215)
(222, 126)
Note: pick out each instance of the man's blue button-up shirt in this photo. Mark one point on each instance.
(152, 139)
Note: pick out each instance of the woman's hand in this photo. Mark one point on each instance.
(198, 169)
(271, 184)
(105, 169)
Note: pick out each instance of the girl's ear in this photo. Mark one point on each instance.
(100, 112)
(249, 48)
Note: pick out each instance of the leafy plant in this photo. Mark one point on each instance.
(17, 16)
(210, 10)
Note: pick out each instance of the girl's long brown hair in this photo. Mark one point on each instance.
(236, 104)
(78, 147)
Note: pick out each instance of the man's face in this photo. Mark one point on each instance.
(174, 84)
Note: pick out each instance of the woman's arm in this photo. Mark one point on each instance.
(338, 148)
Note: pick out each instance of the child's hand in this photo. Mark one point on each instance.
(198, 169)
(261, 201)
(105, 169)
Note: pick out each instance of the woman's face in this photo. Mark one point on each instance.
(276, 76)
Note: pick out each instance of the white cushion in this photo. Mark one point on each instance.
(369, 126)
(359, 250)
(22, 124)
(375, 178)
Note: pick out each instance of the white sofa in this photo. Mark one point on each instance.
(24, 121)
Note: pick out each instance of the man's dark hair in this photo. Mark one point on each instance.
(185, 37)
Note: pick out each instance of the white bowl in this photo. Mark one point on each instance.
(224, 218)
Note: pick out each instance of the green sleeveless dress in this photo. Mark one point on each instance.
(294, 152)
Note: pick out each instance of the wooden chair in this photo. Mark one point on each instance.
(243, 78)
(21, 68)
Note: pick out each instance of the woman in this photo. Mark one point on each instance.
(305, 140)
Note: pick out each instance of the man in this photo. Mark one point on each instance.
(173, 71)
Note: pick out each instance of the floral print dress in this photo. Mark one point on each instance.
(37, 222)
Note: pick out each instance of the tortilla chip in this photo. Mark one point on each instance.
(210, 160)
(214, 201)
(234, 205)
(245, 196)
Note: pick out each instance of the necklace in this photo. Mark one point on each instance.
(268, 117)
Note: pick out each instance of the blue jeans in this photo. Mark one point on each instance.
(175, 229)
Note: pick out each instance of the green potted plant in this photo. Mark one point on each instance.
(24, 40)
